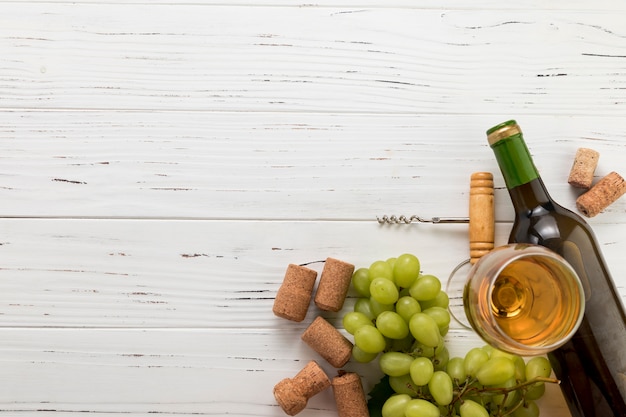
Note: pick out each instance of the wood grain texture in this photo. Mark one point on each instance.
(184, 274)
(195, 57)
(392, 4)
(276, 165)
(161, 164)
(202, 274)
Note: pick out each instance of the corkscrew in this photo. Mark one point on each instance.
(414, 218)
(481, 216)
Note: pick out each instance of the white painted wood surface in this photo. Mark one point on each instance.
(162, 163)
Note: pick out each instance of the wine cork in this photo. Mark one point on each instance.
(481, 215)
(585, 163)
(334, 285)
(349, 395)
(603, 194)
(326, 340)
(292, 394)
(294, 295)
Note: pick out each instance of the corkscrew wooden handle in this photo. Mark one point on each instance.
(481, 215)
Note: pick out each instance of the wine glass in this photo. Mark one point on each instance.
(521, 298)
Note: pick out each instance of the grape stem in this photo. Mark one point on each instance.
(468, 389)
(521, 385)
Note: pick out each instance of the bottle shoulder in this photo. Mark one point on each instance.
(547, 223)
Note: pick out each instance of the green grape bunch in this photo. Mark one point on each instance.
(400, 319)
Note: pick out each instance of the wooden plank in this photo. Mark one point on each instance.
(536, 5)
(202, 274)
(276, 165)
(196, 57)
(65, 372)
(205, 274)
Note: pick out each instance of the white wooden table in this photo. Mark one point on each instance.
(161, 164)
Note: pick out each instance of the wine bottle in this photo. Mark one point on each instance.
(592, 365)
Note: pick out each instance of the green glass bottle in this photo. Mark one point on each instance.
(592, 365)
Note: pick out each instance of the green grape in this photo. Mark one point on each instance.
(421, 408)
(473, 360)
(369, 339)
(391, 262)
(353, 320)
(361, 356)
(471, 408)
(361, 282)
(384, 291)
(536, 391)
(404, 292)
(395, 405)
(406, 270)
(407, 306)
(441, 300)
(538, 366)
(488, 349)
(508, 399)
(424, 329)
(440, 387)
(378, 308)
(425, 287)
(529, 409)
(441, 316)
(494, 353)
(392, 325)
(388, 343)
(440, 360)
(456, 370)
(520, 365)
(363, 305)
(444, 410)
(395, 363)
(496, 371)
(421, 370)
(402, 345)
(403, 385)
(381, 269)
(520, 368)
(419, 349)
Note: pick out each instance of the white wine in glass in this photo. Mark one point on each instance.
(524, 299)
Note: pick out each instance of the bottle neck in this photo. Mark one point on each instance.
(522, 179)
(527, 198)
